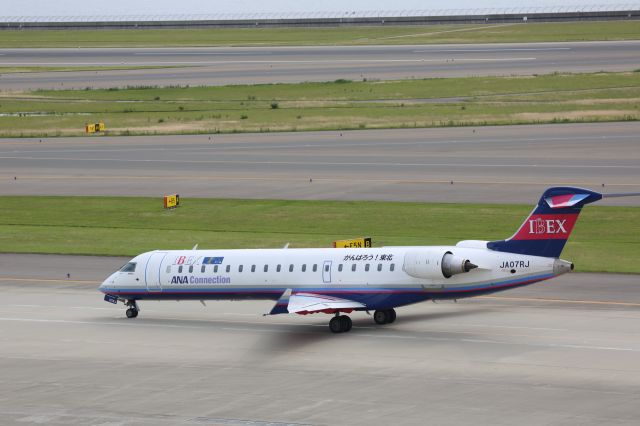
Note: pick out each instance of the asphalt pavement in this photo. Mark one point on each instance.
(251, 65)
(503, 164)
(556, 353)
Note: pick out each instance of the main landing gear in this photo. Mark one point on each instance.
(384, 316)
(132, 311)
(340, 324)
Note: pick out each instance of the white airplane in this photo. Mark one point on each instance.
(340, 281)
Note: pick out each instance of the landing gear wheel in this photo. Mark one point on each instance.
(381, 317)
(391, 315)
(132, 312)
(346, 323)
(335, 325)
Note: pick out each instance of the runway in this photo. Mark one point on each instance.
(503, 164)
(251, 65)
(555, 353)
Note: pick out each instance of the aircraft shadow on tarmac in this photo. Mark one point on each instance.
(296, 337)
(275, 339)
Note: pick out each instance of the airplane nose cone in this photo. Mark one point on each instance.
(108, 283)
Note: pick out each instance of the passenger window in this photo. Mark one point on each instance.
(190, 268)
(240, 268)
(304, 267)
(340, 267)
(278, 268)
(366, 267)
(202, 269)
(315, 268)
(168, 269)
(392, 267)
(215, 269)
(129, 267)
(379, 267)
(228, 268)
(253, 268)
(290, 268)
(353, 267)
(266, 268)
(180, 269)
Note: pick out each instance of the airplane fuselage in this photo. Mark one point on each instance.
(377, 277)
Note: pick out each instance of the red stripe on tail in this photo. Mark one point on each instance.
(546, 227)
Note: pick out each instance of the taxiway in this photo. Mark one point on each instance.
(251, 65)
(503, 164)
(561, 352)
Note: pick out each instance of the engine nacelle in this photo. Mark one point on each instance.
(435, 264)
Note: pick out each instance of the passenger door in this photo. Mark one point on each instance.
(153, 271)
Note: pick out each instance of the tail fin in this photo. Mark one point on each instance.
(547, 229)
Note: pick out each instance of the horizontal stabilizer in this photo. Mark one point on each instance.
(309, 303)
(622, 194)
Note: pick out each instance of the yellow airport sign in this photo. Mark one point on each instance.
(94, 127)
(353, 243)
(171, 201)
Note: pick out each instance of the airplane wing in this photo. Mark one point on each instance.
(310, 303)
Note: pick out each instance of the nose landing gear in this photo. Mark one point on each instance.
(132, 312)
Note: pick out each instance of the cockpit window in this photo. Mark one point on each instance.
(129, 267)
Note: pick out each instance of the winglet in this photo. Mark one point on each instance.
(281, 305)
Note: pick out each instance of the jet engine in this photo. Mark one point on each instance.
(435, 264)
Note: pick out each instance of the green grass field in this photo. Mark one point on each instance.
(326, 106)
(347, 35)
(605, 238)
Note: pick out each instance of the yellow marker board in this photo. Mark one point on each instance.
(353, 243)
(171, 201)
(94, 127)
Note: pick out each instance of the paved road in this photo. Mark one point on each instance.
(504, 164)
(556, 353)
(219, 66)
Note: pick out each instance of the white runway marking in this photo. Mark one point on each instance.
(218, 145)
(521, 49)
(314, 61)
(302, 163)
(201, 53)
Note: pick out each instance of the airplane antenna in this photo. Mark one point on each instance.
(286, 246)
(195, 247)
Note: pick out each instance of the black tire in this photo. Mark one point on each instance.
(381, 317)
(335, 325)
(391, 314)
(135, 313)
(131, 313)
(346, 323)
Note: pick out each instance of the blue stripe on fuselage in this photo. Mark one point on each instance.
(373, 298)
